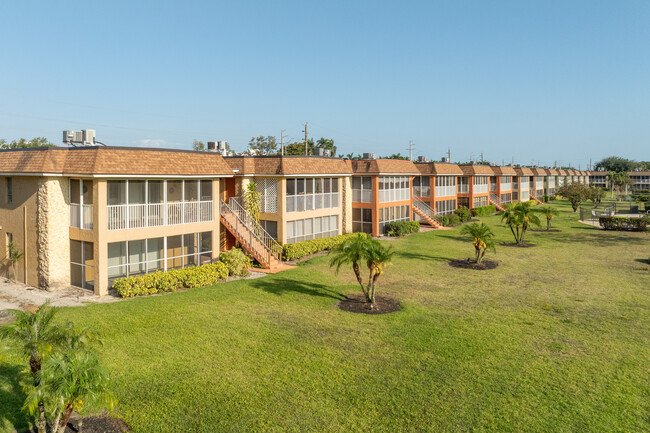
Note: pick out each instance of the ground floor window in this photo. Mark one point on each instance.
(524, 196)
(130, 258)
(515, 196)
(82, 264)
(506, 197)
(388, 215)
(271, 227)
(312, 228)
(463, 202)
(445, 207)
(361, 220)
(480, 201)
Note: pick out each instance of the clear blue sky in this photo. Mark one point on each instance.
(529, 80)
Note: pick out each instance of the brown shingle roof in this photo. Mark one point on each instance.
(384, 166)
(538, 171)
(113, 161)
(552, 172)
(504, 171)
(435, 168)
(524, 171)
(288, 165)
(481, 170)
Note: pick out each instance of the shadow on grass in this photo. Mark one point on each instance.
(12, 398)
(281, 286)
(420, 256)
(644, 261)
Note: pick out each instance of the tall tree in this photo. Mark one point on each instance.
(395, 156)
(576, 193)
(198, 145)
(327, 144)
(615, 163)
(21, 143)
(298, 148)
(263, 145)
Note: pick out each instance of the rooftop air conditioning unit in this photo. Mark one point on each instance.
(218, 147)
(444, 159)
(319, 151)
(369, 156)
(422, 159)
(88, 137)
(73, 137)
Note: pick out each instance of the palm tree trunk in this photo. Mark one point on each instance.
(67, 413)
(357, 273)
(370, 296)
(35, 367)
(478, 254)
(548, 224)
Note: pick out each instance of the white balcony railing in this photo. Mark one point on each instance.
(481, 188)
(362, 195)
(446, 191)
(463, 188)
(133, 216)
(81, 216)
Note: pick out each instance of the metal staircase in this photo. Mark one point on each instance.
(496, 201)
(425, 212)
(250, 233)
(536, 199)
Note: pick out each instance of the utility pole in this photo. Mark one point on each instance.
(282, 142)
(470, 157)
(590, 164)
(410, 149)
(449, 154)
(481, 157)
(306, 148)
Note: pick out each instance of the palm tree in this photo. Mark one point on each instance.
(482, 238)
(69, 380)
(253, 201)
(549, 212)
(377, 257)
(612, 178)
(358, 249)
(34, 335)
(526, 217)
(512, 221)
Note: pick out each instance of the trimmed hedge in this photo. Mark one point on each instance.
(401, 228)
(484, 210)
(532, 202)
(236, 261)
(305, 248)
(624, 223)
(452, 220)
(172, 280)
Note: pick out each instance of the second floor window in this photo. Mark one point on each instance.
(422, 186)
(362, 189)
(312, 193)
(394, 188)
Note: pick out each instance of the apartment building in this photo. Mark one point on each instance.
(86, 216)
(505, 178)
(302, 198)
(436, 186)
(640, 180)
(381, 193)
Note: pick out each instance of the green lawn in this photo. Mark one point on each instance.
(556, 339)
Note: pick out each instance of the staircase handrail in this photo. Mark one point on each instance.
(496, 199)
(427, 209)
(254, 227)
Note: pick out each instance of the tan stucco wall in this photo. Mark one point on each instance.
(24, 230)
(345, 188)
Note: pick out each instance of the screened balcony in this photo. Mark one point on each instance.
(152, 203)
(81, 204)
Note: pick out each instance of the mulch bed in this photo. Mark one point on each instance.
(514, 244)
(358, 304)
(471, 264)
(94, 424)
(544, 230)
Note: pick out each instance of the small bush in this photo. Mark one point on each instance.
(454, 220)
(553, 198)
(236, 261)
(622, 223)
(545, 198)
(532, 202)
(463, 214)
(445, 220)
(305, 248)
(172, 280)
(484, 210)
(401, 228)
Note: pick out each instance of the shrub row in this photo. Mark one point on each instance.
(450, 220)
(484, 210)
(305, 248)
(172, 280)
(401, 228)
(532, 202)
(623, 223)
